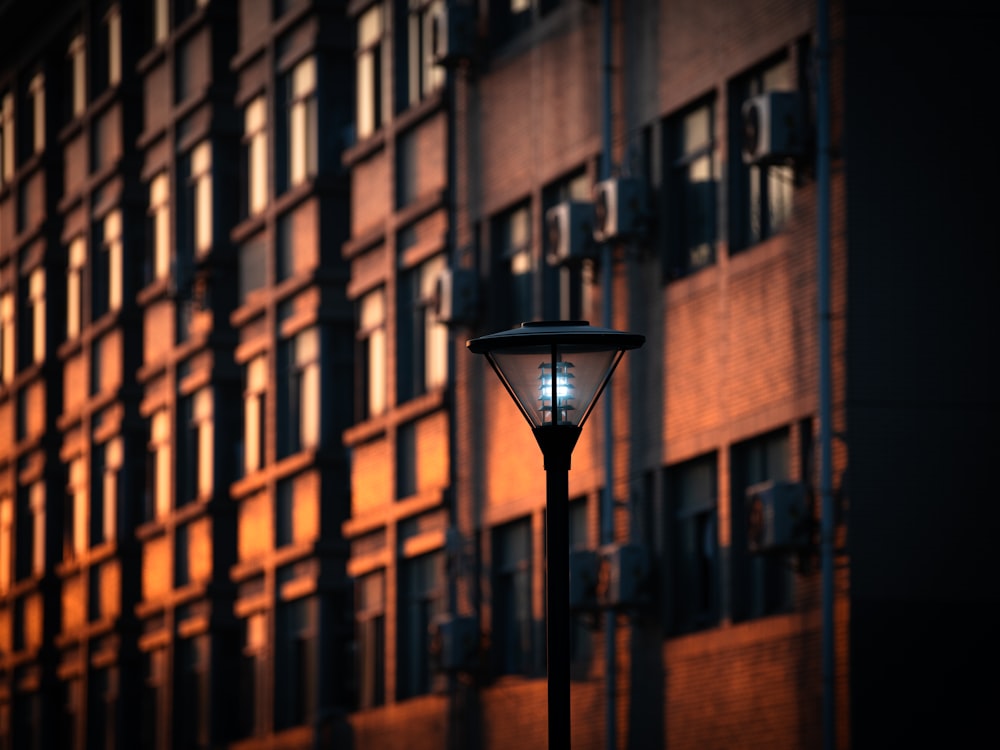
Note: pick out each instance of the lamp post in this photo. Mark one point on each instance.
(555, 371)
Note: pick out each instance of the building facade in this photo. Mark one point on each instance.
(173, 328)
(755, 256)
(255, 492)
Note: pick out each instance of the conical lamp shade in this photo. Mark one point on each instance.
(555, 371)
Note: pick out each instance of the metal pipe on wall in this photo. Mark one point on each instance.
(607, 508)
(827, 526)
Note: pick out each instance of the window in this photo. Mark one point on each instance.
(34, 114)
(761, 584)
(296, 665)
(253, 677)
(108, 265)
(158, 466)
(108, 66)
(194, 447)
(77, 68)
(422, 347)
(195, 206)
(158, 229)
(160, 20)
(105, 488)
(77, 510)
(762, 194)
(302, 127)
(74, 286)
(515, 266)
(370, 612)
(420, 602)
(562, 296)
(371, 42)
(691, 185)
(6, 138)
(154, 710)
(7, 324)
(33, 322)
(424, 75)
(254, 414)
(191, 695)
(255, 156)
(6, 544)
(299, 402)
(371, 355)
(692, 533)
(512, 621)
(29, 554)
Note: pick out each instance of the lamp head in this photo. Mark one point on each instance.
(555, 370)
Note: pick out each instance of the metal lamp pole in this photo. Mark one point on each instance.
(557, 443)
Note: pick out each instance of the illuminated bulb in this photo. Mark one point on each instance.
(564, 392)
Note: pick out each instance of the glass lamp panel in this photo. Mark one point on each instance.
(566, 398)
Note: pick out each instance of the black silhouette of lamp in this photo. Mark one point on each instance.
(555, 371)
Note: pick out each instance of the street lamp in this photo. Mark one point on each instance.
(555, 371)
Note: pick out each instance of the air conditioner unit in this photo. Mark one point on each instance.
(454, 645)
(583, 566)
(569, 232)
(455, 296)
(772, 127)
(623, 575)
(619, 208)
(452, 31)
(777, 517)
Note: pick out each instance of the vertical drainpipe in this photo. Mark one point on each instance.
(825, 432)
(607, 496)
(454, 729)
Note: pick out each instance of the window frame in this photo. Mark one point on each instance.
(515, 264)
(8, 336)
(8, 153)
(421, 600)
(158, 228)
(753, 216)
(422, 345)
(254, 156)
(302, 127)
(371, 355)
(299, 392)
(683, 254)
(76, 61)
(761, 585)
(692, 534)
(370, 616)
(76, 266)
(255, 378)
(77, 506)
(423, 76)
(370, 59)
(512, 616)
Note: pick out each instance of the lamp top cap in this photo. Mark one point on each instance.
(575, 333)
